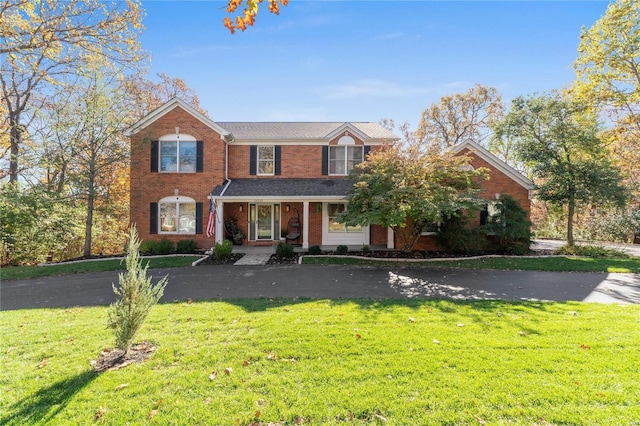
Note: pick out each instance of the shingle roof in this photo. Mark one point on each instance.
(285, 187)
(299, 130)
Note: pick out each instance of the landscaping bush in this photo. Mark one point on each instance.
(342, 249)
(315, 250)
(222, 250)
(161, 247)
(509, 229)
(284, 250)
(366, 249)
(590, 251)
(186, 246)
(135, 296)
(456, 237)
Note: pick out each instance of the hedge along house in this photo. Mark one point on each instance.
(267, 177)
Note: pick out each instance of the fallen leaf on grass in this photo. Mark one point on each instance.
(378, 416)
(122, 386)
(437, 342)
(208, 400)
(98, 415)
(586, 347)
(272, 356)
(152, 413)
(245, 363)
(257, 414)
(43, 362)
(460, 324)
(358, 336)
(189, 301)
(228, 371)
(412, 320)
(213, 375)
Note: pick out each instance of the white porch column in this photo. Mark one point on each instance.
(390, 239)
(305, 225)
(219, 237)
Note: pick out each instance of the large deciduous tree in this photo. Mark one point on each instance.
(608, 78)
(561, 145)
(460, 117)
(44, 41)
(407, 187)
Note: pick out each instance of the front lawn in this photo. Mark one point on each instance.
(65, 268)
(524, 263)
(329, 362)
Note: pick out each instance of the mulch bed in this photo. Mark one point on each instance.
(114, 359)
(229, 260)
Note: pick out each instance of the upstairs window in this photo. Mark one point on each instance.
(266, 160)
(178, 156)
(177, 153)
(340, 159)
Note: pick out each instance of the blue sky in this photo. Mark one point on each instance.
(363, 60)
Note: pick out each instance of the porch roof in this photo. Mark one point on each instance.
(283, 187)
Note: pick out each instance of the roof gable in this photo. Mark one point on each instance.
(170, 105)
(494, 161)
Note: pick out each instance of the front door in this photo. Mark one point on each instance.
(264, 222)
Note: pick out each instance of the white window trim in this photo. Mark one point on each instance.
(272, 160)
(178, 138)
(177, 200)
(345, 159)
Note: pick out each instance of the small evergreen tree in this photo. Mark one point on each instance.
(136, 296)
(509, 227)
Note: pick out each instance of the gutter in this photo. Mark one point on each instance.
(225, 188)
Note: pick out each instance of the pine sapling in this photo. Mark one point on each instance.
(136, 296)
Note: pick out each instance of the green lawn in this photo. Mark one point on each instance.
(329, 362)
(16, 272)
(564, 263)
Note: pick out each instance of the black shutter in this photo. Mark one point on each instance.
(253, 159)
(367, 150)
(199, 156)
(325, 160)
(154, 156)
(153, 218)
(278, 157)
(484, 215)
(198, 218)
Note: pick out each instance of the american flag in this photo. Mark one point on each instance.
(211, 223)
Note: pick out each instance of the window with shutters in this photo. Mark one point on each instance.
(266, 160)
(178, 156)
(177, 215)
(344, 156)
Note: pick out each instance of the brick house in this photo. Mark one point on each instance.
(263, 175)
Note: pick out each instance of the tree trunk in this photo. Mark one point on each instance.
(15, 136)
(88, 224)
(570, 213)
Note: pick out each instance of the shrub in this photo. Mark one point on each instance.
(284, 250)
(590, 251)
(186, 246)
(135, 296)
(222, 250)
(509, 228)
(342, 249)
(366, 249)
(163, 246)
(234, 233)
(456, 237)
(315, 250)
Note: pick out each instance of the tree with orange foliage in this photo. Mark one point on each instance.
(248, 16)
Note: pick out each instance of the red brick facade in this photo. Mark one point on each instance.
(302, 160)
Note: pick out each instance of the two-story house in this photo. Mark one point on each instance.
(263, 174)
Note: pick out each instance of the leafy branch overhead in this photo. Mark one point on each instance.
(248, 16)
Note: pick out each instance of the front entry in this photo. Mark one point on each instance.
(264, 222)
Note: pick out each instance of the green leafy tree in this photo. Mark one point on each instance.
(560, 144)
(136, 296)
(608, 79)
(35, 224)
(406, 187)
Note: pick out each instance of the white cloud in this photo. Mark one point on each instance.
(390, 36)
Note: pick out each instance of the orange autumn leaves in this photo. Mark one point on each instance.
(248, 17)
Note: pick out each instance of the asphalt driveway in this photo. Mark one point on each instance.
(329, 282)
